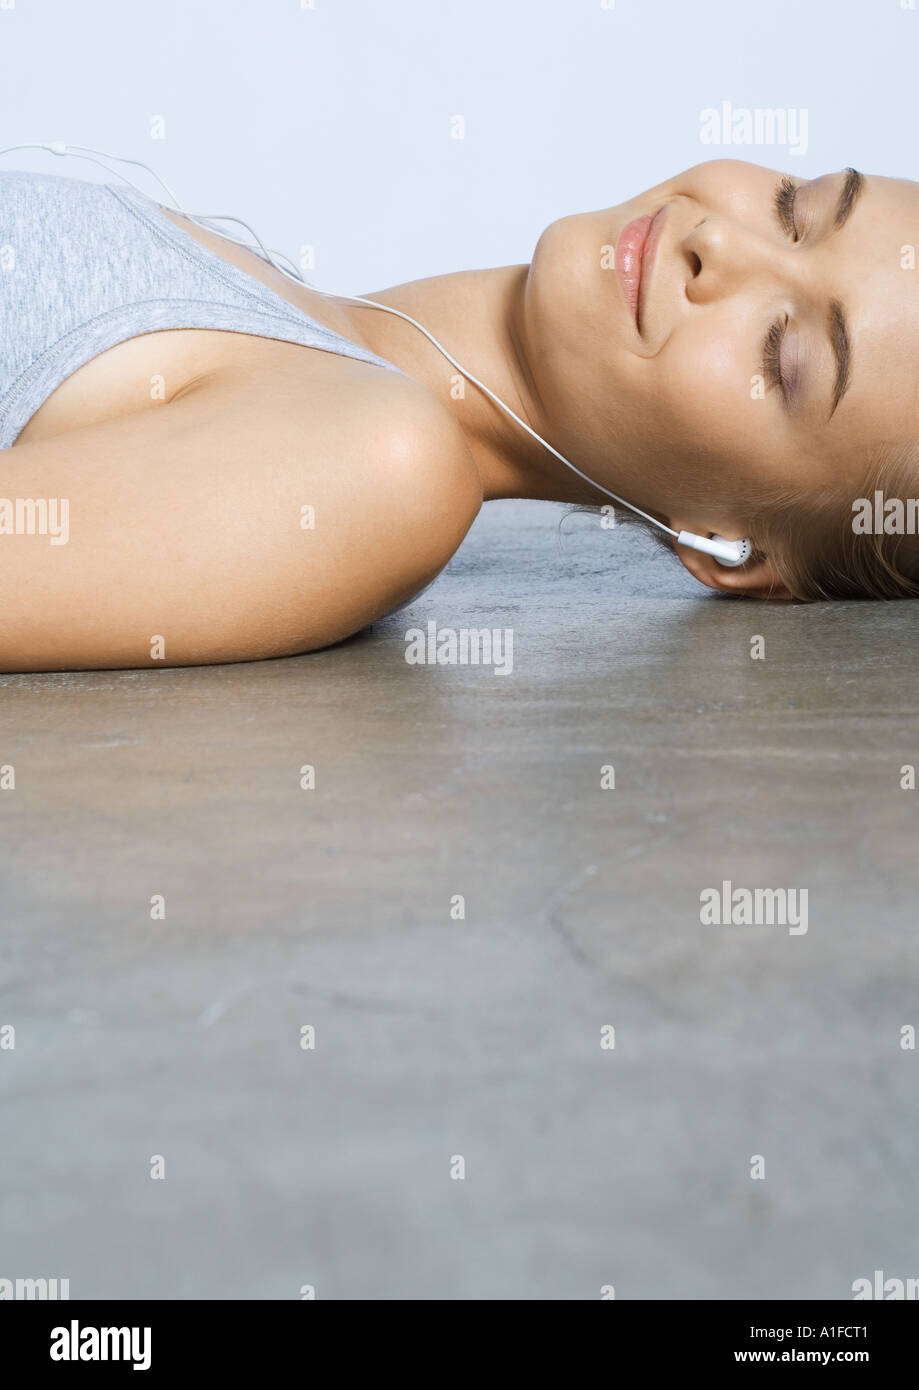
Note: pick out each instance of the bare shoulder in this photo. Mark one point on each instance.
(262, 512)
(398, 483)
(421, 444)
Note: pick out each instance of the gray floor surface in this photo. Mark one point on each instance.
(438, 1038)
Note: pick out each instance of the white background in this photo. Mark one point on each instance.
(332, 127)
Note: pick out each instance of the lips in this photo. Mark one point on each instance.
(634, 257)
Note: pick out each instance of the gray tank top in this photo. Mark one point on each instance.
(84, 266)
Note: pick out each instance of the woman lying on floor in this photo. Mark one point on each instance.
(249, 468)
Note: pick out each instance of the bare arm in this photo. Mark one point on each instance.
(188, 523)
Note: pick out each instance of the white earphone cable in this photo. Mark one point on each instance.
(728, 552)
(358, 299)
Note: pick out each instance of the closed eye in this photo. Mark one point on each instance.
(788, 377)
(772, 356)
(784, 205)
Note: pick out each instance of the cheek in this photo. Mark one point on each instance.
(709, 398)
(730, 185)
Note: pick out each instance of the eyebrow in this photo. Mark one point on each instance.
(837, 326)
(842, 351)
(851, 192)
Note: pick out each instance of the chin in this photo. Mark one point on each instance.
(567, 285)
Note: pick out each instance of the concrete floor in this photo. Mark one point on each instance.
(437, 1037)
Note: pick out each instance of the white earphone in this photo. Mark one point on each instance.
(728, 553)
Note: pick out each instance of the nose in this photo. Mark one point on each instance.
(721, 256)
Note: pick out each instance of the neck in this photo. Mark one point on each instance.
(479, 318)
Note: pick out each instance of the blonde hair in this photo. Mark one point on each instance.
(815, 550)
(811, 541)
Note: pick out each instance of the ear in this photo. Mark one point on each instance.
(755, 579)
